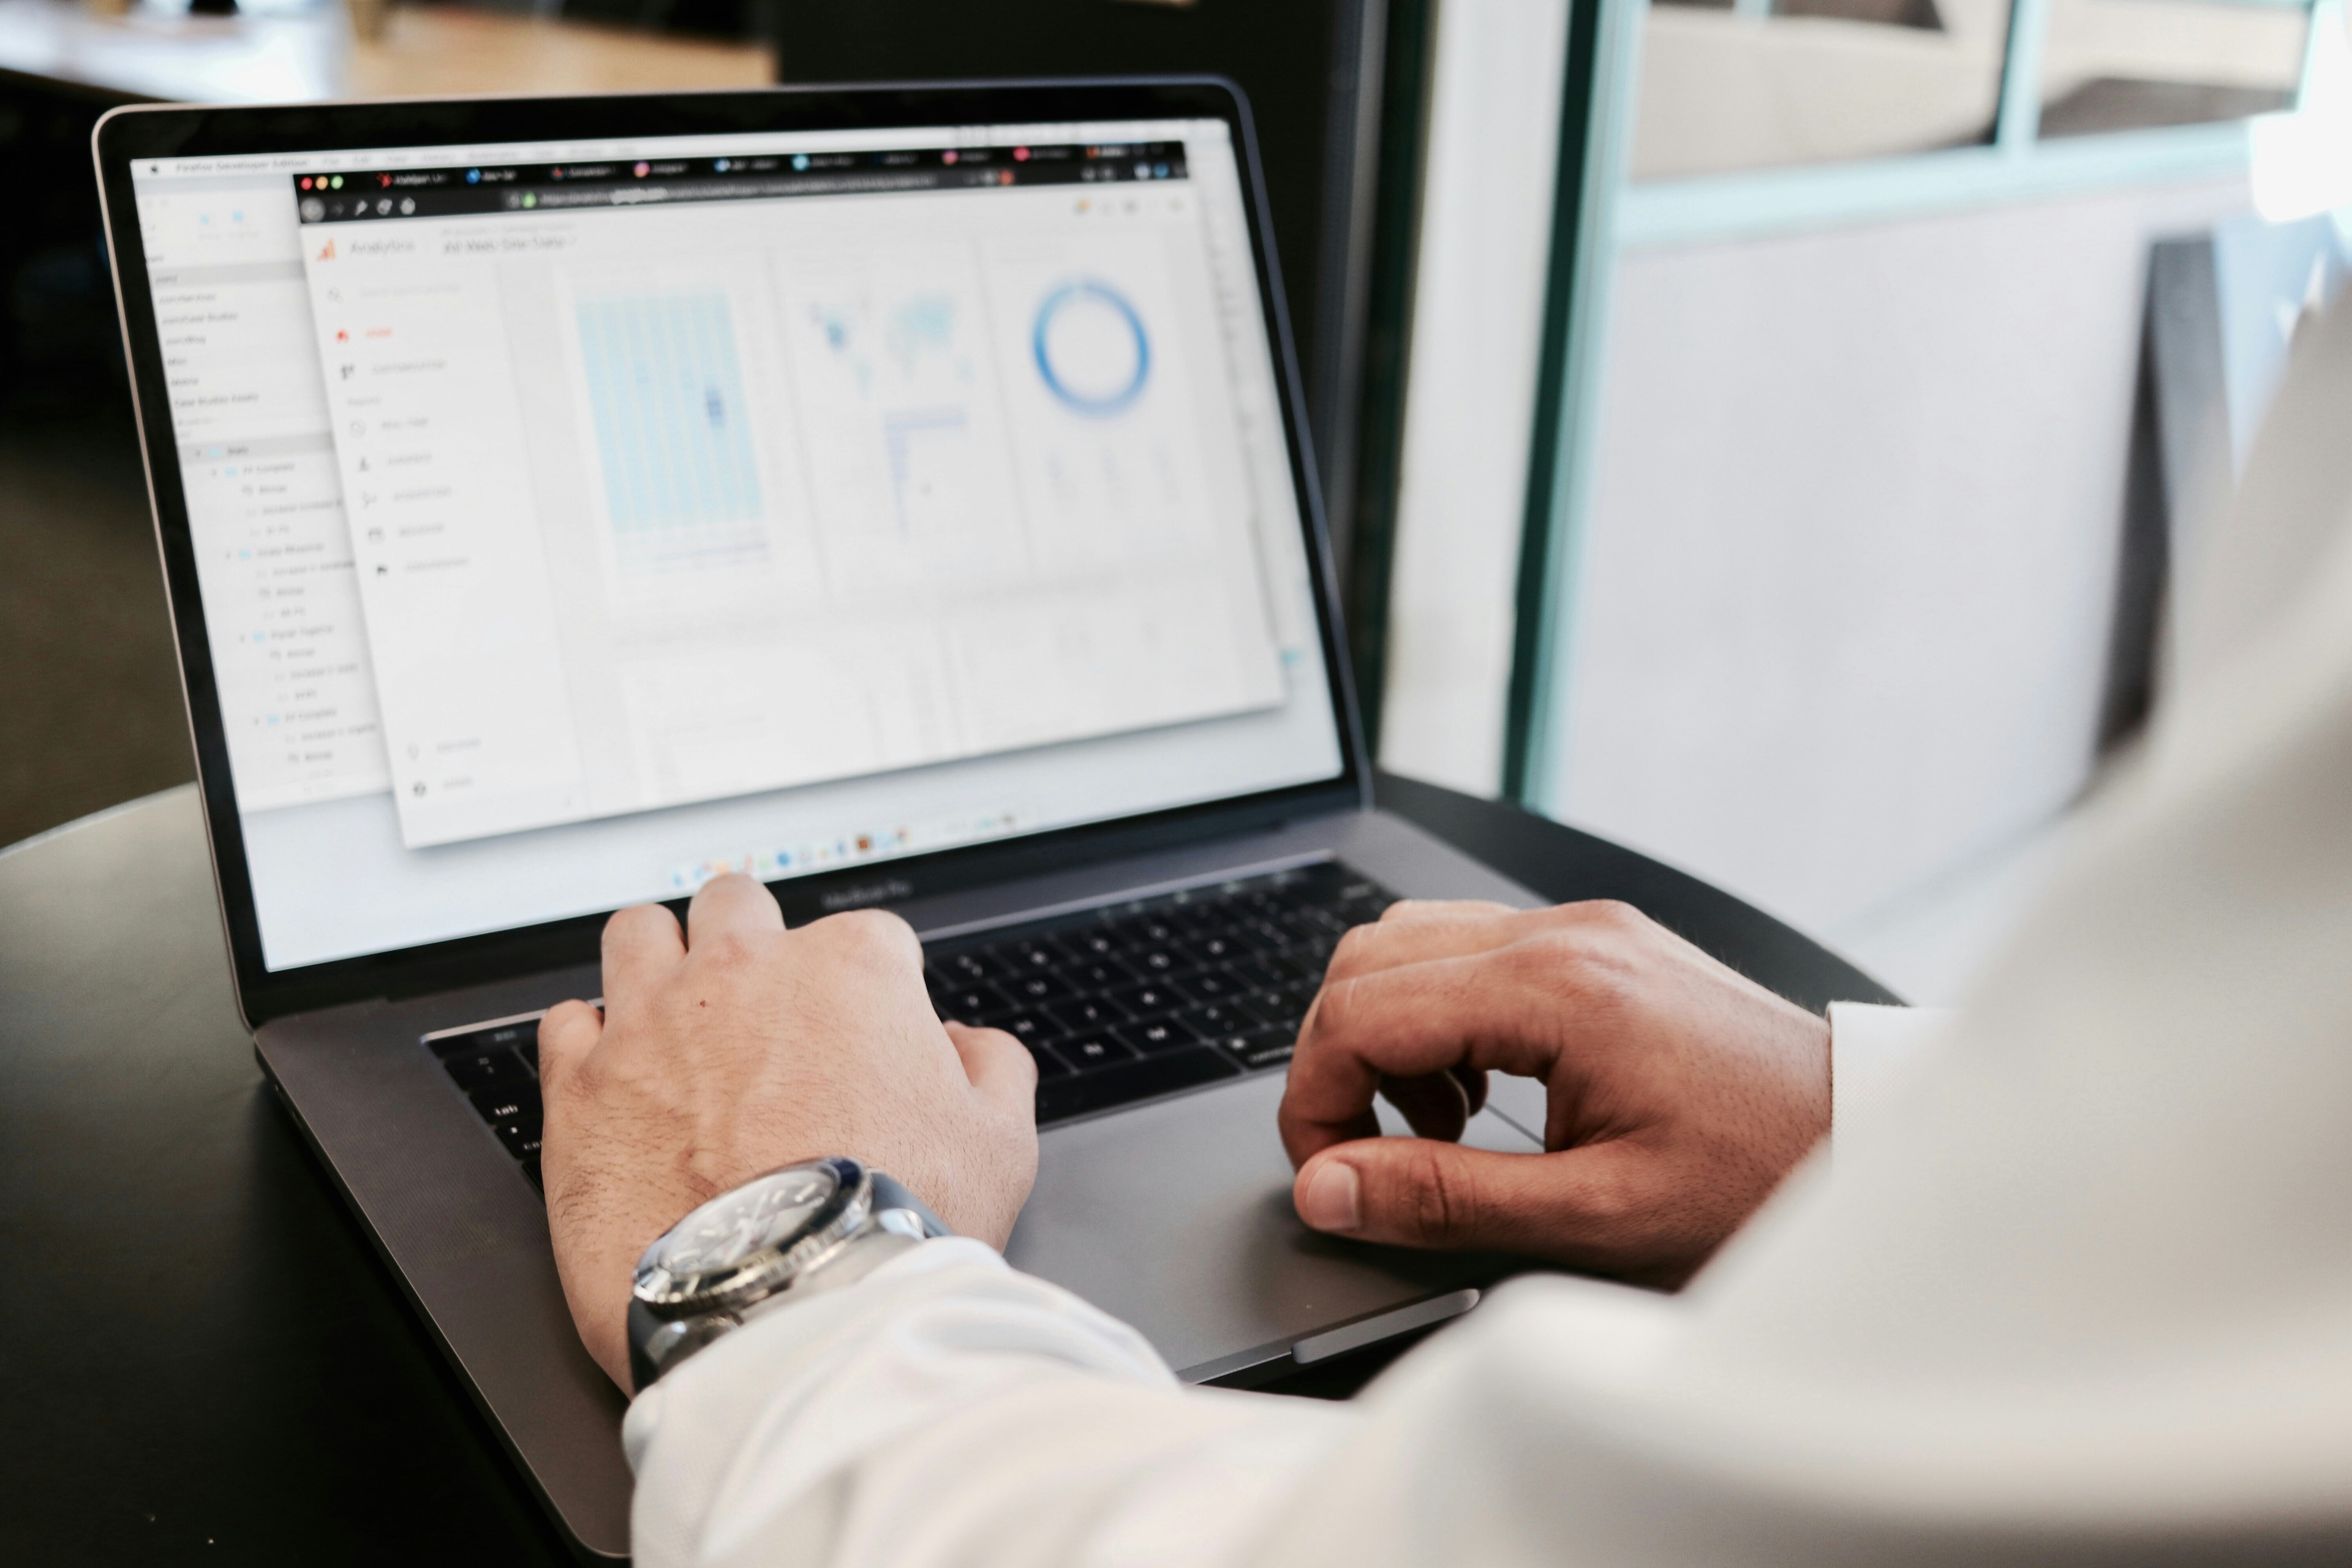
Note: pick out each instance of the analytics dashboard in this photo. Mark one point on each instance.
(575, 521)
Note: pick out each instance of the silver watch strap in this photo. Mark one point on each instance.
(901, 1219)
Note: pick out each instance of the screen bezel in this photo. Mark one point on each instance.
(127, 135)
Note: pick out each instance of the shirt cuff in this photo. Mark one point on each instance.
(1870, 1051)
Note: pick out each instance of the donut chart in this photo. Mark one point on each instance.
(1091, 349)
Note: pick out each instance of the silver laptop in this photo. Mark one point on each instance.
(900, 495)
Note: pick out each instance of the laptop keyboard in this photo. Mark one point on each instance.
(1117, 1003)
(1150, 996)
(497, 1064)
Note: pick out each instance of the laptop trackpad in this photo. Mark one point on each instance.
(1176, 1219)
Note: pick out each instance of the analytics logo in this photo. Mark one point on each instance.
(327, 251)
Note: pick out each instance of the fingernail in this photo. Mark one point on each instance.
(1329, 1200)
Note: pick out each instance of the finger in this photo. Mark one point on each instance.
(870, 936)
(1418, 929)
(566, 1035)
(1000, 1067)
(1407, 910)
(1473, 1085)
(1415, 1192)
(731, 905)
(1477, 1012)
(643, 945)
(1435, 1104)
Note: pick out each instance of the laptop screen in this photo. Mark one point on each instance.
(576, 521)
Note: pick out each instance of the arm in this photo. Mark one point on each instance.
(1873, 1372)
(948, 1410)
(940, 1402)
(945, 1400)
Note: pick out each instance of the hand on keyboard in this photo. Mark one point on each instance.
(735, 1047)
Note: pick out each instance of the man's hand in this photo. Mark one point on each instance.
(1680, 1093)
(736, 1047)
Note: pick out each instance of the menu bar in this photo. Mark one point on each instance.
(456, 192)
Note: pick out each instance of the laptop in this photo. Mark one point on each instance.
(898, 494)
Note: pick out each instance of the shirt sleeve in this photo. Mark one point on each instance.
(948, 1409)
(1872, 1051)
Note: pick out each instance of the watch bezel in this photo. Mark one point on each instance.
(843, 1215)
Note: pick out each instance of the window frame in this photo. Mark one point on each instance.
(1600, 213)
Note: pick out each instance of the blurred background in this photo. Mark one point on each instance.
(1765, 432)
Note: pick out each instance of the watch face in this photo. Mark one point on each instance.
(728, 1230)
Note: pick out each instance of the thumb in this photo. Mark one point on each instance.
(1000, 1067)
(1419, 1192)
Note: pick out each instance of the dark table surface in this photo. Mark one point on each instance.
(204, 1360)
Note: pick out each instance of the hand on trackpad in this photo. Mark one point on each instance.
(1676, 1093)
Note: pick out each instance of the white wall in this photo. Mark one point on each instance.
(1477, 319)
(1842, 604)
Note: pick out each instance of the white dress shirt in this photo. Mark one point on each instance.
(2074, 1285)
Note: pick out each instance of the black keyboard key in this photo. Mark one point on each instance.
(1029, 1028)
(530, 1052)
(1157, 1035)
(1152, 998)
(1279, 1009)
(1087, 1052)
(1255, 1048)
(1198, 917)
(481, 1069)
(1132, 1081)
(1087, 1015)
(1029, 990)
(1278, 891)
(1033, 956)
(1266, 972)
(521, 1138)
(1151, 930)
(964, 968)
(1220, 947)
(1269, 935)
(531, 1173)
(1089, 942)
(1158, 961)
(1272, 1050)
(1098, 973)
(524, 1031)
(517, 1102)
(1316, 881)
(1311, 923)
(1214, 986)
(970, 1003)
(1218, 1018)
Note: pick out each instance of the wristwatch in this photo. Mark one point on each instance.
(784, 1236)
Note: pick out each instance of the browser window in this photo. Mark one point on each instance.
(577, 521)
